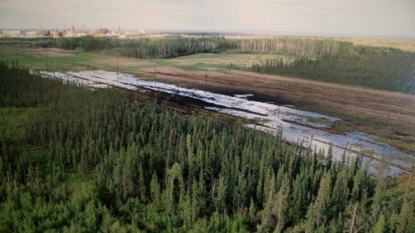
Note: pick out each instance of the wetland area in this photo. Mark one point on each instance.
(307, 128)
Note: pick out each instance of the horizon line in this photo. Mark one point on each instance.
(247, 32)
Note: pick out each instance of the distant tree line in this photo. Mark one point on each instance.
(335, 61)
(174, 46)
(298, 47)
(311, 58)
(143, 48)
(389, 69)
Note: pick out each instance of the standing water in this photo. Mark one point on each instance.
(296, 124)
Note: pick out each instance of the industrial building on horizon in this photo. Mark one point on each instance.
(73, 31)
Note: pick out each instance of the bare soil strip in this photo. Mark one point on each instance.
(50, 52)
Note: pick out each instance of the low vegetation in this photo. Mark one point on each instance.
(338, 126)
(405, 45)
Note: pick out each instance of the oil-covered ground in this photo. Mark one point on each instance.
(313, 130)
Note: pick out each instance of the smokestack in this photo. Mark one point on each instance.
(40, 26)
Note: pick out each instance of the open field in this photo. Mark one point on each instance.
(203, 61)
(48, 59)
(48, 52)
(218, 62)
(406, 45)
(388, 115)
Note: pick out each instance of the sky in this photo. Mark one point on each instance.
(342, 17)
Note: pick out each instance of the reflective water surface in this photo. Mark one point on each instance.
(296, 124)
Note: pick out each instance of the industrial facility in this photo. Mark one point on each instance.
(74, 31)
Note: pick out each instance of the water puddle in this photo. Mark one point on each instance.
(296, 124)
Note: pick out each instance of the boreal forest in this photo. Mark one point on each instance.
(76, 159)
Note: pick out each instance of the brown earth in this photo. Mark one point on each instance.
(389, 107)
(50, 52)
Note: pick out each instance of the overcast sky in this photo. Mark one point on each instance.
(347, 17)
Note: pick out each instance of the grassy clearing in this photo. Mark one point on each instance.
(406, 45)
(320, 120)
(226, 58)
(76, 61)
(372, 122)
(73, 61)
(341, 127)
(216, 61)
(398, 142)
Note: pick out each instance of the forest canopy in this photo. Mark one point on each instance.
(80, 160)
